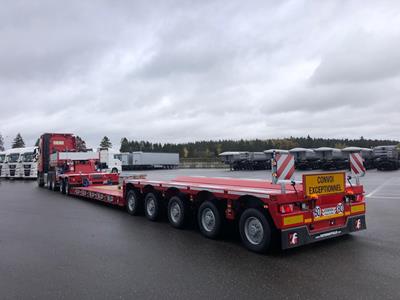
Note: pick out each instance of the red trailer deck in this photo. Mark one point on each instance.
(319, 207)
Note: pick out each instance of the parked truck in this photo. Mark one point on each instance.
(305, 159)
(2, 164)
(110, 160)
(366, 153)
(331, 159)
(28, 162)
(61, 166)
(12, 164)
(244, 160)
(319, 207)
(387, 157)
(150, 160)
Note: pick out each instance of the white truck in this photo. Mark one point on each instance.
(12, 164)
(29, 162)
(110, 160)
(2, 163)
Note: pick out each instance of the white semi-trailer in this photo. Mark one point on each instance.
(28, 162)
(2, 163)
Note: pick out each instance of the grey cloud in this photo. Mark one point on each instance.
(175, 71)
(360, 57)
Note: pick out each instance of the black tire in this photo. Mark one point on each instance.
(56, 188)
(114, 170)
(152, 206)
(178, 211)
(62, 186)
(40, 180)
(209, 220)
(255, 230)
(133, 203)
(67, 186)
(49, 183)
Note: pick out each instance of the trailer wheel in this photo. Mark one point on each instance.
(209, 219)
(49, 183)
(114, 170)
(152, 206)
(178, 211)
(62, 186)
(255, 230)
(40, 180)
(55, 185)
(67, 187)
(132, 203)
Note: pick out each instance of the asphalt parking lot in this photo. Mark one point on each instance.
(53, 246)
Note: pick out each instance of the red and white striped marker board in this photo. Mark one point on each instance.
(285, 166)
(356, 164)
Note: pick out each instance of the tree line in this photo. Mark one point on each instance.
(211, 149)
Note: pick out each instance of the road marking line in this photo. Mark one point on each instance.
(384, 197)
(379, 188)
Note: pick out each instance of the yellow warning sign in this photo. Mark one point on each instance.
(324, 183)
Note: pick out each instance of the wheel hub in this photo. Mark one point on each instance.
(208, 219)
(151, 207)
(254, 230)
(175, 212)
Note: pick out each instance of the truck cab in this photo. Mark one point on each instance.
(110, 160)
(13, 163)
(29, 162)
(2, 163)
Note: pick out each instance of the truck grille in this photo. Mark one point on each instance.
(12, 172)
(27, 166)
(12, 167)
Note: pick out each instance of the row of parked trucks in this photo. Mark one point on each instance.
(287, 214)
(19, 163)
(325, 158)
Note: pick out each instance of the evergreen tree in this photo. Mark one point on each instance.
(1, 143)
(125, 145)
(105, 142)
(80, 144)
(37, 143)
(18, 142)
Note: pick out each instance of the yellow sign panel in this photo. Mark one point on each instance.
(324, 183)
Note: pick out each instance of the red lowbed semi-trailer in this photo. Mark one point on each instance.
(60, 166)
(320, 207)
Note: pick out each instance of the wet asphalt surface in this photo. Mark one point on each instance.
(57, 247)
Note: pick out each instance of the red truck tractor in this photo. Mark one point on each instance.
(60, 166)
(320, 207)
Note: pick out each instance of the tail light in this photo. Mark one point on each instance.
(286, 208)
(354, 198)
(359, 198)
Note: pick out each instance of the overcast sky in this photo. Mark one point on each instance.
(174, 71)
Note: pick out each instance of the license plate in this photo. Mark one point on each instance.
(323, 213)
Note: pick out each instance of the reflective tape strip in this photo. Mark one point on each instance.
(357, 208)
(356, 164)
(292, 220)
(285, 166)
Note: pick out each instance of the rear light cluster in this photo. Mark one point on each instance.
(354, 198)
(286, 208)
(289, 208)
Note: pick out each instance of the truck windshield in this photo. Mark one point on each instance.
(12, 158)
(2, 158)
(28, 157)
